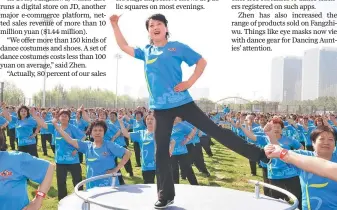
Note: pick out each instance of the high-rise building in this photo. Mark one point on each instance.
(286, 79)
(319, 73)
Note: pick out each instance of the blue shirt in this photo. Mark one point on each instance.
(163, 72)
(307, 134)
(12, 123)
(147, 146)
(137, 125)
(80, 124)
(99, 160)
(258, 130)
(120, 139)
(277, 169)
(317, 192)
(2, 120)
(24, 129)
(64, 152)
(112, 130)
(15, 169)
(253, 128)
(179, 133)
(261, 141)
(45, 130)
(195, 138)
(292, 132)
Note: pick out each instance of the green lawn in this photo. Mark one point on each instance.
(226, 167)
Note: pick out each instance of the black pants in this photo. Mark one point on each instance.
(12, 139)
(197, 157)
(61, 176)
(4, 146)
(148, 176)
(292, 185)
(266, 190)
(126, 141)
(309, 148)
(120, 178)
(136, 147)
(185, 164)
(44, 139)
(30, 149)
(252, 165)
(80, 156)
(193, 114)
(128, 166)
(206, 144)
(34, 129)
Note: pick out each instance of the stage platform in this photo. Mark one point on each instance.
(143, 197)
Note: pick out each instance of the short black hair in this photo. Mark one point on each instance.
(65, 111)
(23, 107)
(115, 113)
(158, 17)
(98, 123)
(139, 112)
(319, 130)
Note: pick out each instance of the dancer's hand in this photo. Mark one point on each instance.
(182, 86)
(112, 171)
(114, 20)
(81, 108)
(238, 124)
(272, 150)
(3, 105)
(74, 153)
(54, 121)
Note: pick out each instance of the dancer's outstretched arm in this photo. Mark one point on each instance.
(123, 45)
(310, 164)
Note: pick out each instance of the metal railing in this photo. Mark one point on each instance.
(88, 200)
(290, 195)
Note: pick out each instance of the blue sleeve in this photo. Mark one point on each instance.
(139, 53)
(77, 133)
(295, 144)
(112, 128)
(2, 120)
(135, 136)
(83, 146)
(14, 119)
(189, 55)
(116, 149)
(33, 168)
(85, 123)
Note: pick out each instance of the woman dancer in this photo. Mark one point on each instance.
(169, 98)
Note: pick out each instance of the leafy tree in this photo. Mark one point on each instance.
(13, 95)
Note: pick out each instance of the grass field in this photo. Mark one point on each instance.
(226, 167)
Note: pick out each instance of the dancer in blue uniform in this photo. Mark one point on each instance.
(169, 97)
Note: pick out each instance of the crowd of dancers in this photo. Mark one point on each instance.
(102, 136)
